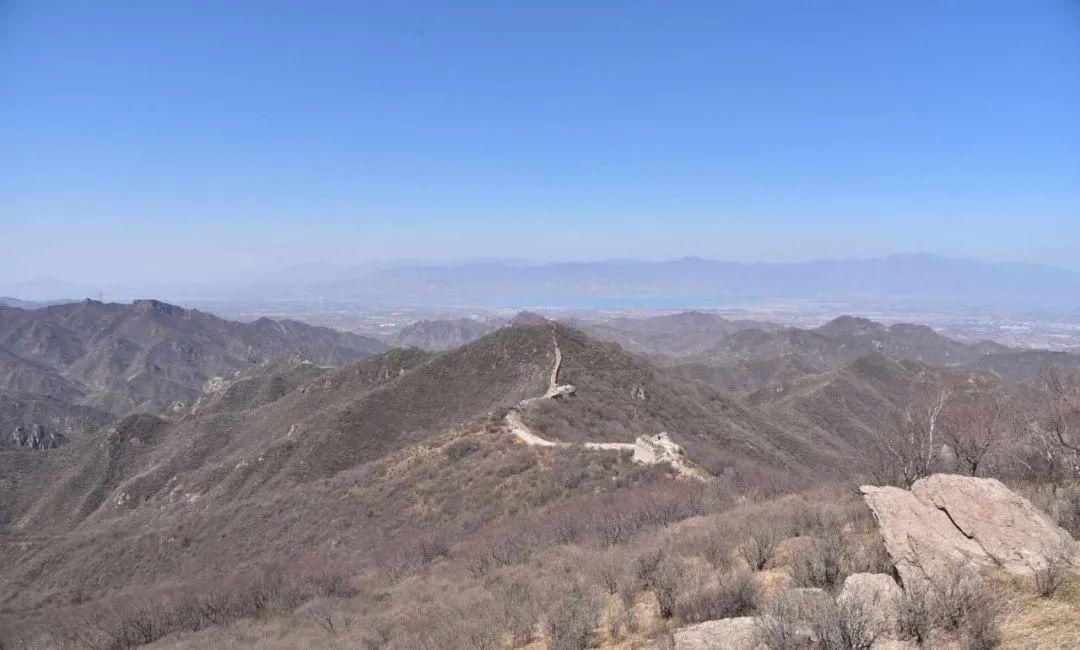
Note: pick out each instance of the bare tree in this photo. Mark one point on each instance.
(1060, 424)
(910, 448)
(760, 542)
(974, 426)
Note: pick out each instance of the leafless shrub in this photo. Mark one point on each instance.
(269, 592)
(955, 599)
(509, 550)
(1067, 509)
(332, 585)
(330, 621)
(957, 592)
(1050, 571)
(982, 630)
(461, 449)
(570, 620)
(916, 611)
(614, 528)
(431, 547)
(780, 625)
(566, 527)
(847, 626)
(630, 586)
(758, 545)
(793, 619)
(667, 582)
(816, 562)
(378, 635)
(514, 607)
(472, 628)
(608, 569)
(406, 560)
(477, 563)
(647, 561)
(735, 594)
(712, 544)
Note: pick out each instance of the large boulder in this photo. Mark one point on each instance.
(1016, 534)
(921, 539)
(729, 633)
(947, 520)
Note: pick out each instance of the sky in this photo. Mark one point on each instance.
(201, 140)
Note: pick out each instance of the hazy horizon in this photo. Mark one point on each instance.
(906, 283)
(51, 286)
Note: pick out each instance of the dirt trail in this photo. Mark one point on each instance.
(649, 450)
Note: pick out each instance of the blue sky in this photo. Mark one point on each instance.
(186, 140)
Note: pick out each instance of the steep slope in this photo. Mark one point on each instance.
(30, 377)
(853, 401)
(149, 354)
(857, 401)
(23, 413)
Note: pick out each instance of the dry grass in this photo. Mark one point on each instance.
(1042, 623)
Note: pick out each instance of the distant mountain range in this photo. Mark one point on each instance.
(910, 281)
(6, 301)
(69, 368)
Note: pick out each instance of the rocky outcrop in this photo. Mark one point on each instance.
(658, 449)
(729, 633)
(36, 436)
(948, 519)
(870, 597)
(1013, 532)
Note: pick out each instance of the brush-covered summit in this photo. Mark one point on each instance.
(146, 355)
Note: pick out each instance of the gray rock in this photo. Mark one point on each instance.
(874, 595)
(36, 436)
(729, 633)
(1012, 531)
(948, 520)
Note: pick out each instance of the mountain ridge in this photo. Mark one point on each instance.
(149, 356)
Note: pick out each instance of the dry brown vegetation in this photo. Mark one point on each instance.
(388, 508)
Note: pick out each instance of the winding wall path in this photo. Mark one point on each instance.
(649, 450)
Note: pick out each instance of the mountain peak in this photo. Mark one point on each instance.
(849, 325)
(149, 305)
(528, 318)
